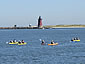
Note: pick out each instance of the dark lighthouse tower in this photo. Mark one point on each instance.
(40, 22)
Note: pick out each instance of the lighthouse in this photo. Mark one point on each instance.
(40, 22)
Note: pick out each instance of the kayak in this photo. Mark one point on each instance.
(22, 43)
(76, 40)
(13, 43)
(53, 44)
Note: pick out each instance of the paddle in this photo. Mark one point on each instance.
(7, 42)
(41, 41)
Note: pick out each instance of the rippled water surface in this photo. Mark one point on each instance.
(34, 53)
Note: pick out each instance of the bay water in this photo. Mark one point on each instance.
(66, 52)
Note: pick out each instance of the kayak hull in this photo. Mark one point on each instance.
(16, 43)
(53, 44)
(13, 43)
(76, 40)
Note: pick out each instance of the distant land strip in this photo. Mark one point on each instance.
(46, 27)
(18, 27)
(65, 26)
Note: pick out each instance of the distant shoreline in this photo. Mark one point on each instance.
(65, 26)
(46, 27)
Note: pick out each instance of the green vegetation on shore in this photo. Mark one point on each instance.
(56, 26)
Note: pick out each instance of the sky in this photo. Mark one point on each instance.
(53, 12)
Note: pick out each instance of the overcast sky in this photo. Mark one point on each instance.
(53, 12)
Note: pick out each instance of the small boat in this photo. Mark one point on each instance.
(76, 40)
(53, 44)
(22, 43)
(13, 43)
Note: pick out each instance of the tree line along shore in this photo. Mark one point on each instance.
(46, 27)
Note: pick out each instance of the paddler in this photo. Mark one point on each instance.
(52, 42)
(11, 41)
(72, 39)
(14, 41)
(43, 42)
(77, 38)
(19, 42)
(22, 41)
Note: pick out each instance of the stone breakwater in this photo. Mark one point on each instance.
(21, 28)
(18, 27)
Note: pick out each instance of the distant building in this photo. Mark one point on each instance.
(30, 25)
(15, 26)
(40, 22)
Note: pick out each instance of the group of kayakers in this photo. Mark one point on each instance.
(43, 42)
(14, 41)
(52, 42)
(76, 38)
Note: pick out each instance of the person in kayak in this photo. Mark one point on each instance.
(22, 41)
(72, 39)
(52, 42)
(14, 41)
(43, 42)
(11, 41)
(19, 42)
(77, 38)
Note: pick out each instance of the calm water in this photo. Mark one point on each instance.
(34, 53)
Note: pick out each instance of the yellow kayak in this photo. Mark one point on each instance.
(53, 44)
(13, 43)
(22, 43)
(76, 40)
